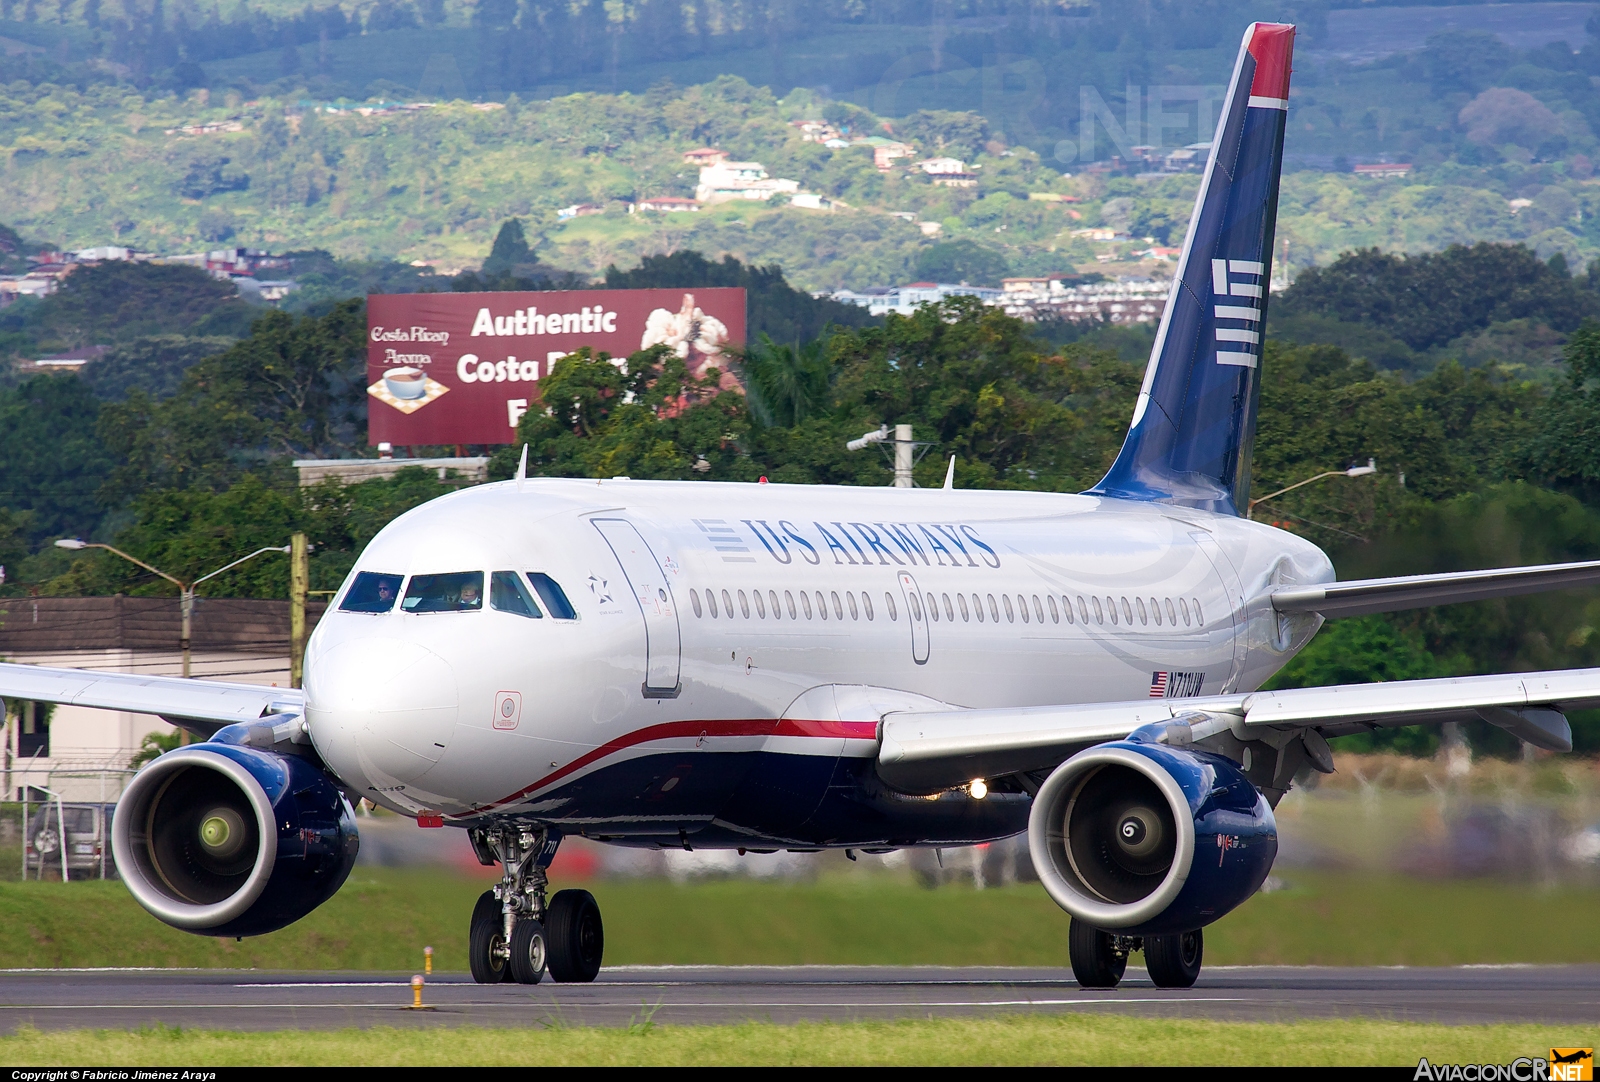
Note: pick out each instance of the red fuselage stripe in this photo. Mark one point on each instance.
(847, 730)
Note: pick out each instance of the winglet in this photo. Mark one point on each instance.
(522, 468)
(950, 474)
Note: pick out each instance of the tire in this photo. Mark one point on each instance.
(528, 952)
(1174, 960)
(485, 935)
(1095, 962)
(574, 937)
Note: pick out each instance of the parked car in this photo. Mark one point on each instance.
(88, 841)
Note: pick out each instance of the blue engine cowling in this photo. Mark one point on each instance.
(1140, 838)
(227, 840)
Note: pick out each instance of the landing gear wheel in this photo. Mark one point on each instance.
(1095, 961)
(528, 953)
(574, 937)
(486, 941)
(1174, 960)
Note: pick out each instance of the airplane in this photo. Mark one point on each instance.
(768, 667)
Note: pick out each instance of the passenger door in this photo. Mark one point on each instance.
(656, 604)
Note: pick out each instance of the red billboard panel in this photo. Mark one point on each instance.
(448, 368)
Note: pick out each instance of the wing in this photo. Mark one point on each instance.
(923, 751)
(201, 705)
(1359, 597)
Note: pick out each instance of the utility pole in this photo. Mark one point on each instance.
(299, 583)
(903, 446)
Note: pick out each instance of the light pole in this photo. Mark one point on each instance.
(904, 450)
(1354, 471)
(185, 589)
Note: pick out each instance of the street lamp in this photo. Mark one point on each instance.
(1354, 471)
(185, 589)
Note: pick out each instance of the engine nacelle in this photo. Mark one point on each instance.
(227, 840)
(1141, 838)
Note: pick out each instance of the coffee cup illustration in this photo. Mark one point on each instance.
(406, 382)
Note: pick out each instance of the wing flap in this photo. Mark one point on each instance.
(206, 703)
(1362, 597)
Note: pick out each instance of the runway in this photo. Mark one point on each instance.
(257, 1000)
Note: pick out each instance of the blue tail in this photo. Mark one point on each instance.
(1195, 421)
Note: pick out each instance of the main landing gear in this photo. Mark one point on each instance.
(1100, 958)
(516, 934)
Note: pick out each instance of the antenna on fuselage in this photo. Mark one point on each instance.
(522, 468)
(950, 474)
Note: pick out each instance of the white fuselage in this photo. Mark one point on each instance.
(739, 624)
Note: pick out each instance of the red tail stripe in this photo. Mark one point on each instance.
(1272, 45)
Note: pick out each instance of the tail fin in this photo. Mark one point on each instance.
(1195, 421)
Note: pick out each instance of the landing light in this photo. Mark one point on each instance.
(978, 788)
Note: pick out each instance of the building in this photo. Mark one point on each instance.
(71, 361)
(1382, 170)
(905, 300)
(727, 181)
(816, 131)
(1102, 233)
(813, 201)
(242, 262)
(353, 471)
(705, 156)
(579, 210)
(667, 204)
(1127, 300)
(83, 754)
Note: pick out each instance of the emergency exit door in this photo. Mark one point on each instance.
(650, 588)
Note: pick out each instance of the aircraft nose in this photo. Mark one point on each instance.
(382, 709)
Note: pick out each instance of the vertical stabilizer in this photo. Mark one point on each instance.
(1195, 420)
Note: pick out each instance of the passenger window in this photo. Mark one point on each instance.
(507, 594)
(1143, 618)
(777, 613)
(1099, 615)
(1183, 606)
(977, 607)
(1127, 612)
(1172, 613)
(915, 603)
(1011, 615)
(1155, 611)
(553, 596)
(888, 601)
(966, 613)
(949, 609)
(761, 604)
(789, 598)
(994, 610)
(805, 603)
(727, 604)
(1199, 621)
(855, 610)
(1083, 611)
(822, 605)
(838, 609)
(711, 602)
(1022, 603)
(460, 591)
(1055, 613)
(866, 603)
(744, 605)
(694, 599)
(933, 608)
(373, 591)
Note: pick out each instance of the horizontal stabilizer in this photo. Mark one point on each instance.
(1359, 597)
(927, 751)
(196, 704)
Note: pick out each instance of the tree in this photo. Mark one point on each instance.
(510, 249)
(961, 261)
(51, 462)
(1504, 115)
(114, 302)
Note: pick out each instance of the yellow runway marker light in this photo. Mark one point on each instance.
(427, 960)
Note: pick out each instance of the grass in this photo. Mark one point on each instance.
(383, 918)
(1008, 1041)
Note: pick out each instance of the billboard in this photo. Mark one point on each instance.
(447, 368)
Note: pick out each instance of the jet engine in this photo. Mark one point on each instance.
(229, 840)
(1140, 838)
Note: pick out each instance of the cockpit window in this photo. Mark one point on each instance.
(461, 591)
(507, 594)
(373, 591)
(554, 598)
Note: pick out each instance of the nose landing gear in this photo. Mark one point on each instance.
(516, 934)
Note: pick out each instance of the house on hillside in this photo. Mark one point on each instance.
(727, 181)
(705, 156)
(667, 204)
(905, 300)
(579, 210)
(1382, 170)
